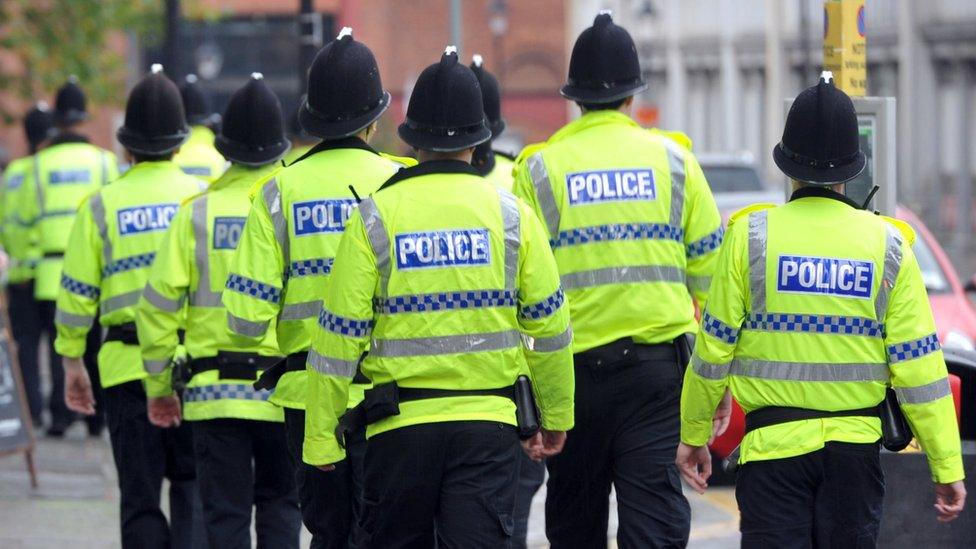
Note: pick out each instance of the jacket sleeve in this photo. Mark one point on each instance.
(253, 292)
(544, 319)
(81, 282)
(707, 376)
(918, 371)
(342, 335)
(160, 312)
(702, 230)
(524, 187)
(28, 200)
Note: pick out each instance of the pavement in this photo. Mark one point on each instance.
(75, 503)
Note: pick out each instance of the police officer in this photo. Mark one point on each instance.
(635, 232)
(439, 289)
(286, 253)
(496, 166)
(197, 156)
(21, 247)
(807, 326)
(112, 244)
(239, 440)
(65, 172)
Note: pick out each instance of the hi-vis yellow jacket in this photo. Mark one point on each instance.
(632, 223)
(198, 156)
(501, 175)
(18, 240)
(64, 174)
(440, 276)
(113, 243)
(190, 268)
(819, 305)
(288, 245)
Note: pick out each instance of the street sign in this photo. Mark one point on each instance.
(844, 47)
(16, 433)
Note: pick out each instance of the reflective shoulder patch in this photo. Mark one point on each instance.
(680, 138)
(852, 278)
(449, 248)
(321, 216)
(144, 219)
(744, 212)
(903, 227)
(528, 151)
(404, 161)
(227, 232)
(614, 185)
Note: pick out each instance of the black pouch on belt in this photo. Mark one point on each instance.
(896, 433)
(381, 402)
(526, 411)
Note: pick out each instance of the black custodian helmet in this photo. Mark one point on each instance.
(604, 66)
(446, 112)
(154, 119)
(70, 103)
(38, 123)
(196, 103)
(490, 95)
(253, 132)
(820, 142)
(345, 93)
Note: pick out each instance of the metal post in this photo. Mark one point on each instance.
(310, 33)
(804, 43)
(774, 76)
(171, 48)
(456, 25)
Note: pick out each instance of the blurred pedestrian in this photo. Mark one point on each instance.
(198, 157)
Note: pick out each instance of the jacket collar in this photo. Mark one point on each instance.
(242, 176)
(823, 192)
(67, 137)
(429, 168)
(591, 119)
(351, 142)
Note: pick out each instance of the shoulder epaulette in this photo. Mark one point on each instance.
(193, 197)
(744, 212)
(906, 230)
(528, 151)
(256, 187)
(680, 138)
(404, 161)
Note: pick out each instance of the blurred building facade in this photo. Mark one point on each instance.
(720, 69)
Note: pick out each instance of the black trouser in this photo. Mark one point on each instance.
(243, 464)
(828, 498)
(458, 479)
(144, 455)
(531, 476)
(626, 436)
(61, 416)
(331, 501)
(25, 327)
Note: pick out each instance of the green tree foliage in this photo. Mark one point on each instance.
(53, 39)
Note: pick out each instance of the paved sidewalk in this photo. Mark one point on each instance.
(75, 505)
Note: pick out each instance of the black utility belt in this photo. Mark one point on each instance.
(53, 255)
(233, 365)
(295, 362)
(127, 335)
(610, 356)
(383, 401)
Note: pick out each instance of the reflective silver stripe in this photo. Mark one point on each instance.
(155, 367)
(892, 265)
(511, 222)
(104, 156)
(246, 328)
(272, 199)
(549, 344)
(699, 283)
(98, 216)
(710, 370)
(623, 275)
(203, 296)
(121, 301)
(329, 366)
(924, 393)
(809, 371)
(38, 187)
(229, 391)
(71, 319)
(160, 301)
(757, 261)
(379, 239)
(676, 162)
(446, 345)
(301, 311)
(544, 193)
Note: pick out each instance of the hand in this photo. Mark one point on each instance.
(544, 444)
(78, 395)
(695, 464)
(949, 500)
(720, 421)
(164, 412)
(326, 468)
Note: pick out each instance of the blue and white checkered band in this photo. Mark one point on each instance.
(911, 350)
(851, 278)
(822, 324)
(228, 391)
(452, 248)
(321, 216)
(78, 287)
(616, 232)
(140, 261)
(227, 232)
(719, 329)
(704, 245)
(544, 308)
(253, 288)
(344, 326)
(310, 267)
(68, 177)
(610, 186)
(448, 301)
(144, 219)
